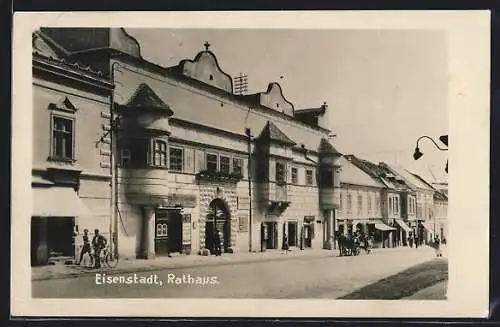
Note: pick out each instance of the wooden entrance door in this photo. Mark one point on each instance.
(308, 231)
(292, 233)
(272, 235)
(218, 218)
(174, 233)
(161, 233)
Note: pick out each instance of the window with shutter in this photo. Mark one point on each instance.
(189, 160)
(272, 171)
(200, 161)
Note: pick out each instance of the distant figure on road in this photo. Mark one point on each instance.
(217, 241)
(285, 246)
(415, 239)
(437, 247)
(410, 239)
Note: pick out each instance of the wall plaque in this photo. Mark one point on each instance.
(186, 229)
(243, 224)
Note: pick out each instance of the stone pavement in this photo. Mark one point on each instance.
(190, 261)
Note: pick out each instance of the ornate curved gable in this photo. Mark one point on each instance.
(205, 68)
(274, 99)
(120, 40)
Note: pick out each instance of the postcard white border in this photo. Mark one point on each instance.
(469, 117)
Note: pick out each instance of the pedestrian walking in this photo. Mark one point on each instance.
(285, 246)
(86, 246)
(437, 247)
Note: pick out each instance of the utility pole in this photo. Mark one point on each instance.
(249, 171)
(240, 84)
(113, 223)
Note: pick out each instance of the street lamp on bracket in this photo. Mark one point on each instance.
(443, 138)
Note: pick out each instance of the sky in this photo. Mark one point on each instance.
(384, 88)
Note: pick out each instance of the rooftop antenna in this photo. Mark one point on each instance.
(240, 84)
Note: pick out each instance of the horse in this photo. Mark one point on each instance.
(348, 245)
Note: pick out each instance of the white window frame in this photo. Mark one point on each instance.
(153, 162)
(69, 117)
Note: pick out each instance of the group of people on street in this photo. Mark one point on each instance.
(92, 248)
(413, 239)
(352, 241)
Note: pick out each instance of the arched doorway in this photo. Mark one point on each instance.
(218, 218)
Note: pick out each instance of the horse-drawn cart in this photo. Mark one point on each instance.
(353, 246)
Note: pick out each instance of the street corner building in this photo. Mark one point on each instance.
(163, 160)
(160, 159)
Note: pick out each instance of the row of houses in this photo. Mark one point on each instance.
(161, 158)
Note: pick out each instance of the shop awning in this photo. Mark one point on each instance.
(403, 225)
(383, 227)
(362, 221)
(58, 202)
(427, 226)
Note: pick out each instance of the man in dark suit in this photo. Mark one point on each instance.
(98, 243)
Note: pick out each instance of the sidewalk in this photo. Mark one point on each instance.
(190, 261)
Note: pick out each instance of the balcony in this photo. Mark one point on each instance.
(329, 198)
(144, 184)
(280, 193)
(278, 198)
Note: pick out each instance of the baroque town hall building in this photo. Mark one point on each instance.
(184, 144)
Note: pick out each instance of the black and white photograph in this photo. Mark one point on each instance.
(268, 163)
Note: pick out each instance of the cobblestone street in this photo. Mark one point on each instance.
(306, 276)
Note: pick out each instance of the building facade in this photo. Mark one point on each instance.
(424, 192)
(193, 158)
(161, 160)
(70, 168)
(440, 218)
(387, 221)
